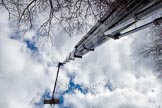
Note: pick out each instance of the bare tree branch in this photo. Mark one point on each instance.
(45, 16)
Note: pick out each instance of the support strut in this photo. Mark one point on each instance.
(54, 101)
(89, 49)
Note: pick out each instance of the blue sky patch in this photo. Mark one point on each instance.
(31, 45)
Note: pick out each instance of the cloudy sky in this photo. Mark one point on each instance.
(113, 76)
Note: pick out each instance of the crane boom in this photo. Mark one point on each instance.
(113, 23)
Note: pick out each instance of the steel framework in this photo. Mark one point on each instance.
(113, 23)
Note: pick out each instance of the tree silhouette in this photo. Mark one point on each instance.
(44, 16)
(154, 48)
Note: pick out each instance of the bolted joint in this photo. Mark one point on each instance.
(89, 49)
(77, 56)
(157, 21)
(60, 64)
(136, 18)
(116, 36)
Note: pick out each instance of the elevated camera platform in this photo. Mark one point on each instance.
(52, 101)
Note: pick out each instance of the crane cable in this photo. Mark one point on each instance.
(59, 65)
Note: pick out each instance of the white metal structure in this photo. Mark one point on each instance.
(113, 23)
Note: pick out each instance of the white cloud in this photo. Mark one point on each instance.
(119, 98)
(22, 76)
(29, 35)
